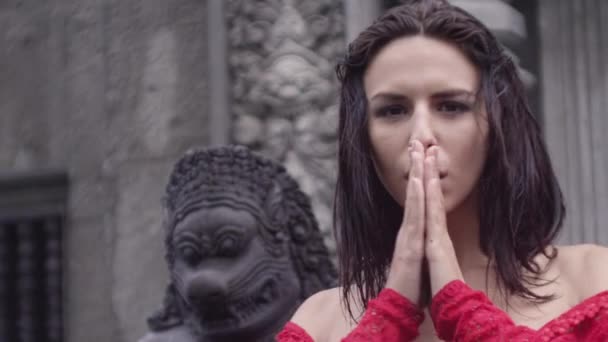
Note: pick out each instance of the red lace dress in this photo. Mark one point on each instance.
(460, 313)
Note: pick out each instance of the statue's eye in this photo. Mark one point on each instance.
(228, 245)
(190, 255)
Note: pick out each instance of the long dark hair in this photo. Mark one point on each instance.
(521, 207)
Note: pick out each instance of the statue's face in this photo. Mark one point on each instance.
(233, 287)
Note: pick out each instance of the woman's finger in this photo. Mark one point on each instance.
(408, 256)
(413, 216)
(440, 254)
(435, 208)
(409, 246)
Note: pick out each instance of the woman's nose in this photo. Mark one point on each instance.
(423, 129)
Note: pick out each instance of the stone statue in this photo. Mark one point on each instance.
(243, 249)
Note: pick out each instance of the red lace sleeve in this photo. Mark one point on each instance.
(587, 321)
(463, 314)
(293, 333)
(389, 317)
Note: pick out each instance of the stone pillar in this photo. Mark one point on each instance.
(359, 15)
(506, 23)
(574, 43)
(219, 120)
(283, 88)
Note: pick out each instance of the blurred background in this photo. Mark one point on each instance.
(98, 98)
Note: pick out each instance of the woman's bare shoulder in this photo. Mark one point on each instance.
(584, 266)
(318, 313)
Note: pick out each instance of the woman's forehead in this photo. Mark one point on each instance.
(420, 63)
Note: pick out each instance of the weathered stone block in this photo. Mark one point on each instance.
(138, 268)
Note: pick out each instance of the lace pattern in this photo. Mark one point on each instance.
(389, 317)
(293, 333)
(461, 314)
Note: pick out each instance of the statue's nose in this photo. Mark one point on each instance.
(207, 287)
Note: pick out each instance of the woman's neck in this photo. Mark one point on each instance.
(463, 227)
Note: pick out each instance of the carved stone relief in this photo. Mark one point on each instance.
(283, 89)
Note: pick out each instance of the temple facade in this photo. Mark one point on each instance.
(98, 99)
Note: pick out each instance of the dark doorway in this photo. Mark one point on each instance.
(32, 215)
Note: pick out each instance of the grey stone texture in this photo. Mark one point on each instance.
(574, 46)
(359, 14)
(507, 24)
(113, 92)
(284, 90)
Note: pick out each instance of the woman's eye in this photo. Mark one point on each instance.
(228, 246)
(393, 110)
(190, 255)
(453, 107)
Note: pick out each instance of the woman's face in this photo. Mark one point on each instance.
(420, 88)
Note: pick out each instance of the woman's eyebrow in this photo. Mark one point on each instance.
(388, 96)
(453, 93)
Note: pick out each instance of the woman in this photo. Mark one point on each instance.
(445, 188)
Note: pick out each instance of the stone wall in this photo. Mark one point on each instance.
(112, 92)
(574, 37)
